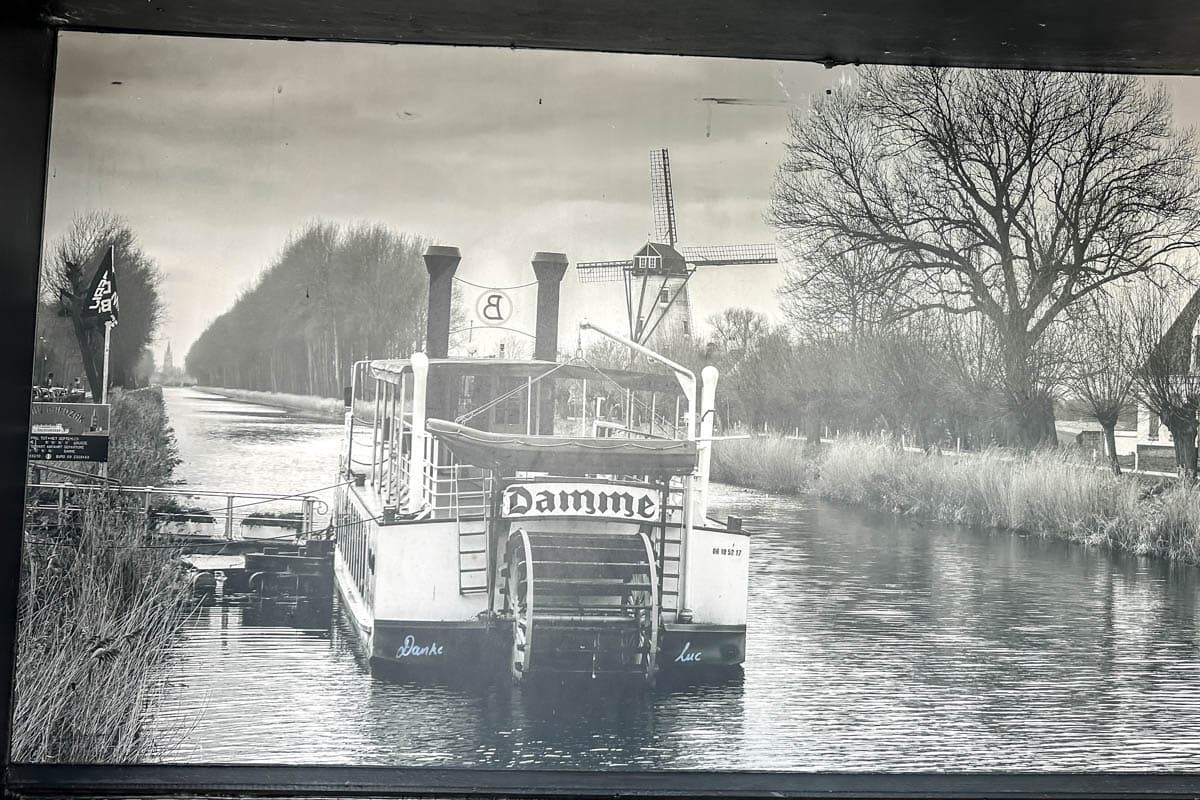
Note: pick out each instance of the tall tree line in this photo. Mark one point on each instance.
(333, 296)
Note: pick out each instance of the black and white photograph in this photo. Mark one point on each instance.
(498, 408)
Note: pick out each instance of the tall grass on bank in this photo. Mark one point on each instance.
(101, 601)
(101, 598)
(1051, 492)
(773, 464)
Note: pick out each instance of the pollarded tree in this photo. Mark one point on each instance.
(1104, 343)
(1004, 193)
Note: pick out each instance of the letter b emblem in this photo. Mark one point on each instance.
(494, 307)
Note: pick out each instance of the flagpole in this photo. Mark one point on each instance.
(107, 344)
(108, 325)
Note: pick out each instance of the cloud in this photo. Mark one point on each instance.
(214, 150)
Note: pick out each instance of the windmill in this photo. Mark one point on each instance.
(656, 277)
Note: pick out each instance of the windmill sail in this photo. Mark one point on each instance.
(602, 271)
(727, 255)
(662, 199)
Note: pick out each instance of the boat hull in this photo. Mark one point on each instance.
(699, 647)
(430, 648)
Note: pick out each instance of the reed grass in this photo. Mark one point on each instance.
(101, 598)
(1055, 492)
(770, 463)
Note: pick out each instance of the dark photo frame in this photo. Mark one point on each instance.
(1157, 37)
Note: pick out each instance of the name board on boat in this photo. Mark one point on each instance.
(68, 432)
(597, 500)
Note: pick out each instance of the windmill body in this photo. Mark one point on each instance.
(656, 277)
(659, 277)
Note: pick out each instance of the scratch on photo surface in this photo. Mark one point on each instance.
(733, 101)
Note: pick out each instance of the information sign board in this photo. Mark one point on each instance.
(69, 432)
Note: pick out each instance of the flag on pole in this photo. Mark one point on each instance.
(102, 305)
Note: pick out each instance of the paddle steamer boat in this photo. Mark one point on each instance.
(477, 529)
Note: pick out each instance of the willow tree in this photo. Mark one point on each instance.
(1007, 194)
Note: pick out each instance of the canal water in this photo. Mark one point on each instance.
(874, 645)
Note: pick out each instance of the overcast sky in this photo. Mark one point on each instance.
(215, 150)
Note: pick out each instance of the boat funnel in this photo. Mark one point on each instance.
(549, 269)
(440, 262)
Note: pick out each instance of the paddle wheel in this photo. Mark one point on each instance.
(581, 603)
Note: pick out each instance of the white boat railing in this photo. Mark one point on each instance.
(443, 485)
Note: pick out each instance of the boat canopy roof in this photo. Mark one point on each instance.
(391, 370)
(565, 455)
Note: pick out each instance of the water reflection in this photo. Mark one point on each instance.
(873, 645)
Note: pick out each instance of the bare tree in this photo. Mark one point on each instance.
(1008, 194)
(1160, 361)
(738, 330)
(1104, 344)
(65, 285)
(837, 289)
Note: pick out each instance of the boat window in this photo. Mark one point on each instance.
(509, 415)
(466, 397)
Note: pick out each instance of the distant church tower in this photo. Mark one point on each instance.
(168, 362)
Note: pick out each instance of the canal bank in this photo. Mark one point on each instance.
(1053, 493)
(325, 408)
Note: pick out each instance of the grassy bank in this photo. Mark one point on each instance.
(101, 599)
(325, 407)
(1052, 493)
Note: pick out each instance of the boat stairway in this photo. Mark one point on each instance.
(668, 540)
(584, 604)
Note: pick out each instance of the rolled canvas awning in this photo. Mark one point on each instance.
(565, 455)
(392, 369)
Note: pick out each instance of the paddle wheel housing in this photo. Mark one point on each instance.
(584, 604)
